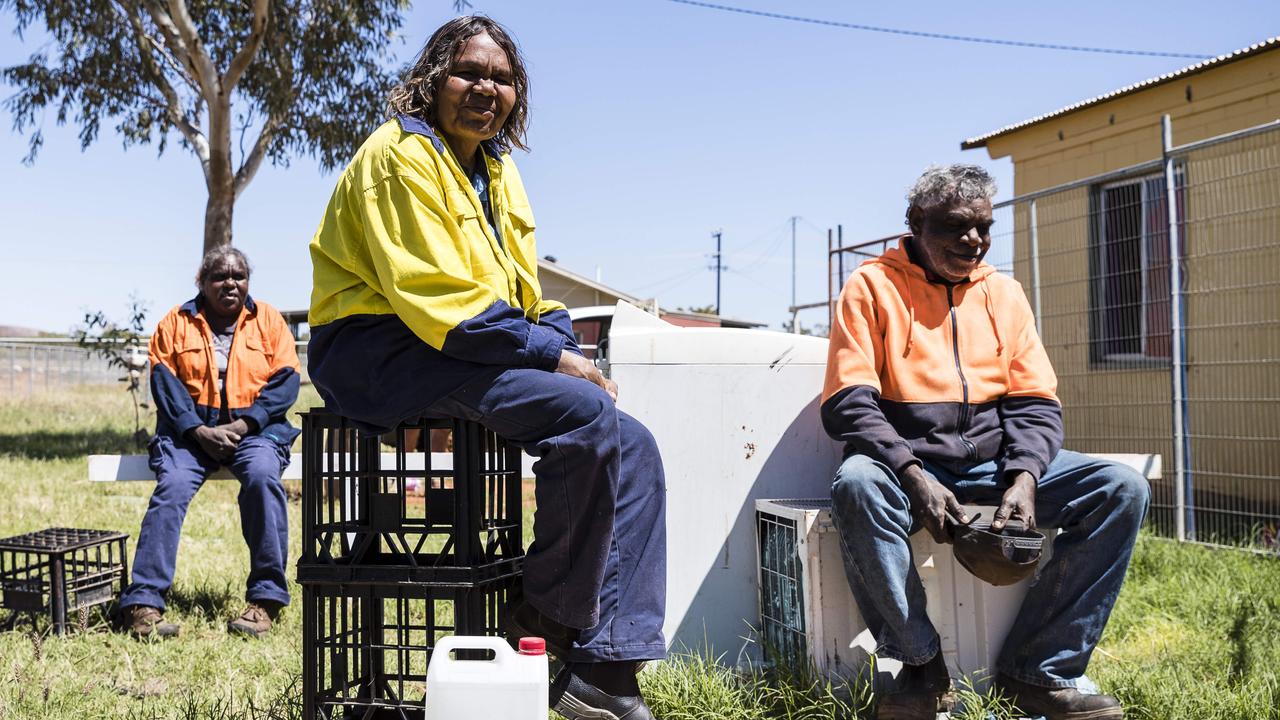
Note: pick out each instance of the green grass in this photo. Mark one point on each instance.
(1195, 635)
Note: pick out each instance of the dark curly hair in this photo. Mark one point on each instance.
(416, 94)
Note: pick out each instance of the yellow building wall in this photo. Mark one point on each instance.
(1232, 291)
(1126, 131)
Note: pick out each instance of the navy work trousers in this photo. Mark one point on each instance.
(181, 468)
(598, 561)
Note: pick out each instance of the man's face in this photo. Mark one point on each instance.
(225, 287)
(950, 240)
(477, 94)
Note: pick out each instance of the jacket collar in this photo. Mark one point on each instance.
(192, 307)
(416, 126)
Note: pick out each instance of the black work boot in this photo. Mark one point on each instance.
(523, 620)
(1058, 703)
(598, 691)
(919, 693)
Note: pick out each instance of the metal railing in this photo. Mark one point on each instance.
(29, 366)
(35, 365)
(1177, 358)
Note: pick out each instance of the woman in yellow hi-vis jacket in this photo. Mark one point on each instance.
(427, 302)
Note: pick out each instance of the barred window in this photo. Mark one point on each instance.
(1129, 270)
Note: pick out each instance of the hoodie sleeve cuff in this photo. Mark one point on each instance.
(1024, 463)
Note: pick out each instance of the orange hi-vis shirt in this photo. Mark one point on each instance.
(950, 373)
(262, 371)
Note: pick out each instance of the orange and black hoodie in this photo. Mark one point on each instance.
(950, 373)
(262, 372)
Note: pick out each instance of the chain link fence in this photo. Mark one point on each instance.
(1193, 373)
(28, 367)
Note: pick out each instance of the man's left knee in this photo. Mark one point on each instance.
(1127, 488)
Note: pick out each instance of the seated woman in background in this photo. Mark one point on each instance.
(224, 371)
(426, 303)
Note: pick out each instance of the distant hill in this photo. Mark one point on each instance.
(14, 331)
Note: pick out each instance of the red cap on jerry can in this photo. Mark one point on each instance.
(533, 646)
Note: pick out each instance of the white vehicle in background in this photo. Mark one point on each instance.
(591, 331)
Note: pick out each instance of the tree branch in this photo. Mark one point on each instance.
(197, 57)
(251, 163)
(172, 104)
(241, 61)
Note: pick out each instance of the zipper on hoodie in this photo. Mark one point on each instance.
(971, 452)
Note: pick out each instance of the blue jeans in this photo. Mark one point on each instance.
(598, 561)
(181, 468)
(1097, 505)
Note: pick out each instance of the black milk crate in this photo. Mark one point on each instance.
(365, 646)
(388, 508)
(61, 570)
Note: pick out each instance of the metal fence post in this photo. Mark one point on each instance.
(1035, 268)
(1175, 334)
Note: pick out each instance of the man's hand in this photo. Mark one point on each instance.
(1019, 502)
(219, 442)
(931, 501)
(578, 366)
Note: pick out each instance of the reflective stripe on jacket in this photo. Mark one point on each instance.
(262, 371)
(404, 251)
(950, 373)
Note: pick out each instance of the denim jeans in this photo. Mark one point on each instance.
(1098, 507)
(181, 469)
(598, 561)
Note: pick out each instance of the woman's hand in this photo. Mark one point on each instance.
(578, 366)
(219, 442)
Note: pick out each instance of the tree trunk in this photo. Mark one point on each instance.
(217, 217)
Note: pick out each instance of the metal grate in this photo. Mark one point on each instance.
(782, 627)
(61, 570)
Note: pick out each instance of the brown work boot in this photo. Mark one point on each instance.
(143, 621)
(920, 693)
(1059, 703)
(255, 620)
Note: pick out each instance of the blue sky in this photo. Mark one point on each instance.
(653, 124)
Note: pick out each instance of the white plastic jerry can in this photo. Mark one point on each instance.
(511, 686)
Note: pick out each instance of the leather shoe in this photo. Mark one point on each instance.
(919, 693)
(523, 620)
(576, 699)
(1059, 703)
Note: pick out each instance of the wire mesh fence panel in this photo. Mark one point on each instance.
(1231, 335)
(27, 368)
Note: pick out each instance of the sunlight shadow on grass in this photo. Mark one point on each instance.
(48, 445)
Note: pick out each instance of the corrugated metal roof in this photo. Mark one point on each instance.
(1261, 47)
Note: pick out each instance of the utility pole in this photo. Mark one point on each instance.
(718, 266)
(795, 324)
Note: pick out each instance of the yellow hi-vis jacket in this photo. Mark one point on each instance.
(405, 244)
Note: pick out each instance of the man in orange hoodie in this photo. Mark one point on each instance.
(939, 387)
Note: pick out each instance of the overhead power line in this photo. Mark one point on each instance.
(938, 36)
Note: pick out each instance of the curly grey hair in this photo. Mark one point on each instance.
(215, 256)
(945, 184)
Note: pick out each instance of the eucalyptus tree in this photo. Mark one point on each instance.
(237, 82)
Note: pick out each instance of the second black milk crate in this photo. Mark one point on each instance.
(365, 646)
(58, 571)
(387, 509)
